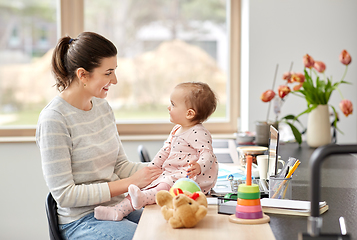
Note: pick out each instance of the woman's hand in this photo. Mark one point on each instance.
(141, 178)
(145, 176)
(193, 170)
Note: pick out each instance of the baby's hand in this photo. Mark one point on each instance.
(193, 170)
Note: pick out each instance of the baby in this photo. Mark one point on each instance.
(187, 152)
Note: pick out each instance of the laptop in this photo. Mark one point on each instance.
(273, 150)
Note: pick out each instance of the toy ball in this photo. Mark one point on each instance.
(186, 184)
(175, 191)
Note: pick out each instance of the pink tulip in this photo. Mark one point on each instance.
(287, 76)
(346, 107)
(297, 87)
(283, 90)
(345, 57)
(267, 96)
(319, 66)
(308, 61)
(298, 77)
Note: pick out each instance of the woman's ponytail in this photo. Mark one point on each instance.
(59, 69)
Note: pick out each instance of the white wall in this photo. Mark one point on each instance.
(282, 31)
(23, 193)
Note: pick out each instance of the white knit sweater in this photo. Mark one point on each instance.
(81, 152)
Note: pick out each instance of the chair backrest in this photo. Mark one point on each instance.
(143, 154)
(51, 211)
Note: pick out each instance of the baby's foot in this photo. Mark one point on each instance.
(108, 214)
(137, 197)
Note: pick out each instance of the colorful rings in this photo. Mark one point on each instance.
(241, 208)
(248, 202)
(253, 215)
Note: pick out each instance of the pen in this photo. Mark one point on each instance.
(293, 169)
(286, 188)
(287, 171)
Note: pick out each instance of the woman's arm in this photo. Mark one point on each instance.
(131, 173)
(140, 178)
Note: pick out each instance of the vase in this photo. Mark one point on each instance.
(319, 127)
(262, 130)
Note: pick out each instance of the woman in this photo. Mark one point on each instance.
(83, 160)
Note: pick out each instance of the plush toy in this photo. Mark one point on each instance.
(183, 210)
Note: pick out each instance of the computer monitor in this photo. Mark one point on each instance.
(273, 148)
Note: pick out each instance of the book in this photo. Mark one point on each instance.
(289, 207)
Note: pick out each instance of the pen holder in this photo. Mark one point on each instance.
(280, 188)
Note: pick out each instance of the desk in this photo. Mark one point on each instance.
(338, 189)
(213, 226)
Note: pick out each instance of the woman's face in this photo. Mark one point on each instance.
(102, 77)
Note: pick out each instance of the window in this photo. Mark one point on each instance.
(26, 41)
(160, 43)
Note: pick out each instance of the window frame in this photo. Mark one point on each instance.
(71, 22)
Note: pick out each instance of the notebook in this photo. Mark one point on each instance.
(289, 207)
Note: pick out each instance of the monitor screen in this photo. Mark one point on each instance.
(273, 149)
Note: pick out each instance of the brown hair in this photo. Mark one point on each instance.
(200, 98)
(86, 51)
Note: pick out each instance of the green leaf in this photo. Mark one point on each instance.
(291, 117)
(319, 94)
(328, 90)
(309, 109)
(336, 119)
(296, 133)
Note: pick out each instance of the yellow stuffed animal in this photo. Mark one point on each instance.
(183, 210)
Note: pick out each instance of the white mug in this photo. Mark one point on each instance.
(266, 168)
(271, 170)
(262, 161)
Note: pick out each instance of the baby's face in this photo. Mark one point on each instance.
(177, 108)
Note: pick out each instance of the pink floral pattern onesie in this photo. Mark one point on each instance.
(181, 149)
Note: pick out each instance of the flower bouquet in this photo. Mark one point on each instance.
(315, 92)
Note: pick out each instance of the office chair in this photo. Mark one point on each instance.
(51, 211)
(143, 154)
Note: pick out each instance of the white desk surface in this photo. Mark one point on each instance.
(213, 226)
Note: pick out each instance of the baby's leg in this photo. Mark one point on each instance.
(141, 198)
(115, 213)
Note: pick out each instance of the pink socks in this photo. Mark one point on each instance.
(135, 200)
(141, 198)
(115, 213)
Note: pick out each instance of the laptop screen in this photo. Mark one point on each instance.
(273, 148)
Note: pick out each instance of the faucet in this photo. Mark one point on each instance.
(314, 223)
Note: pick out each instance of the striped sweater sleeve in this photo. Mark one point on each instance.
(123, 167)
